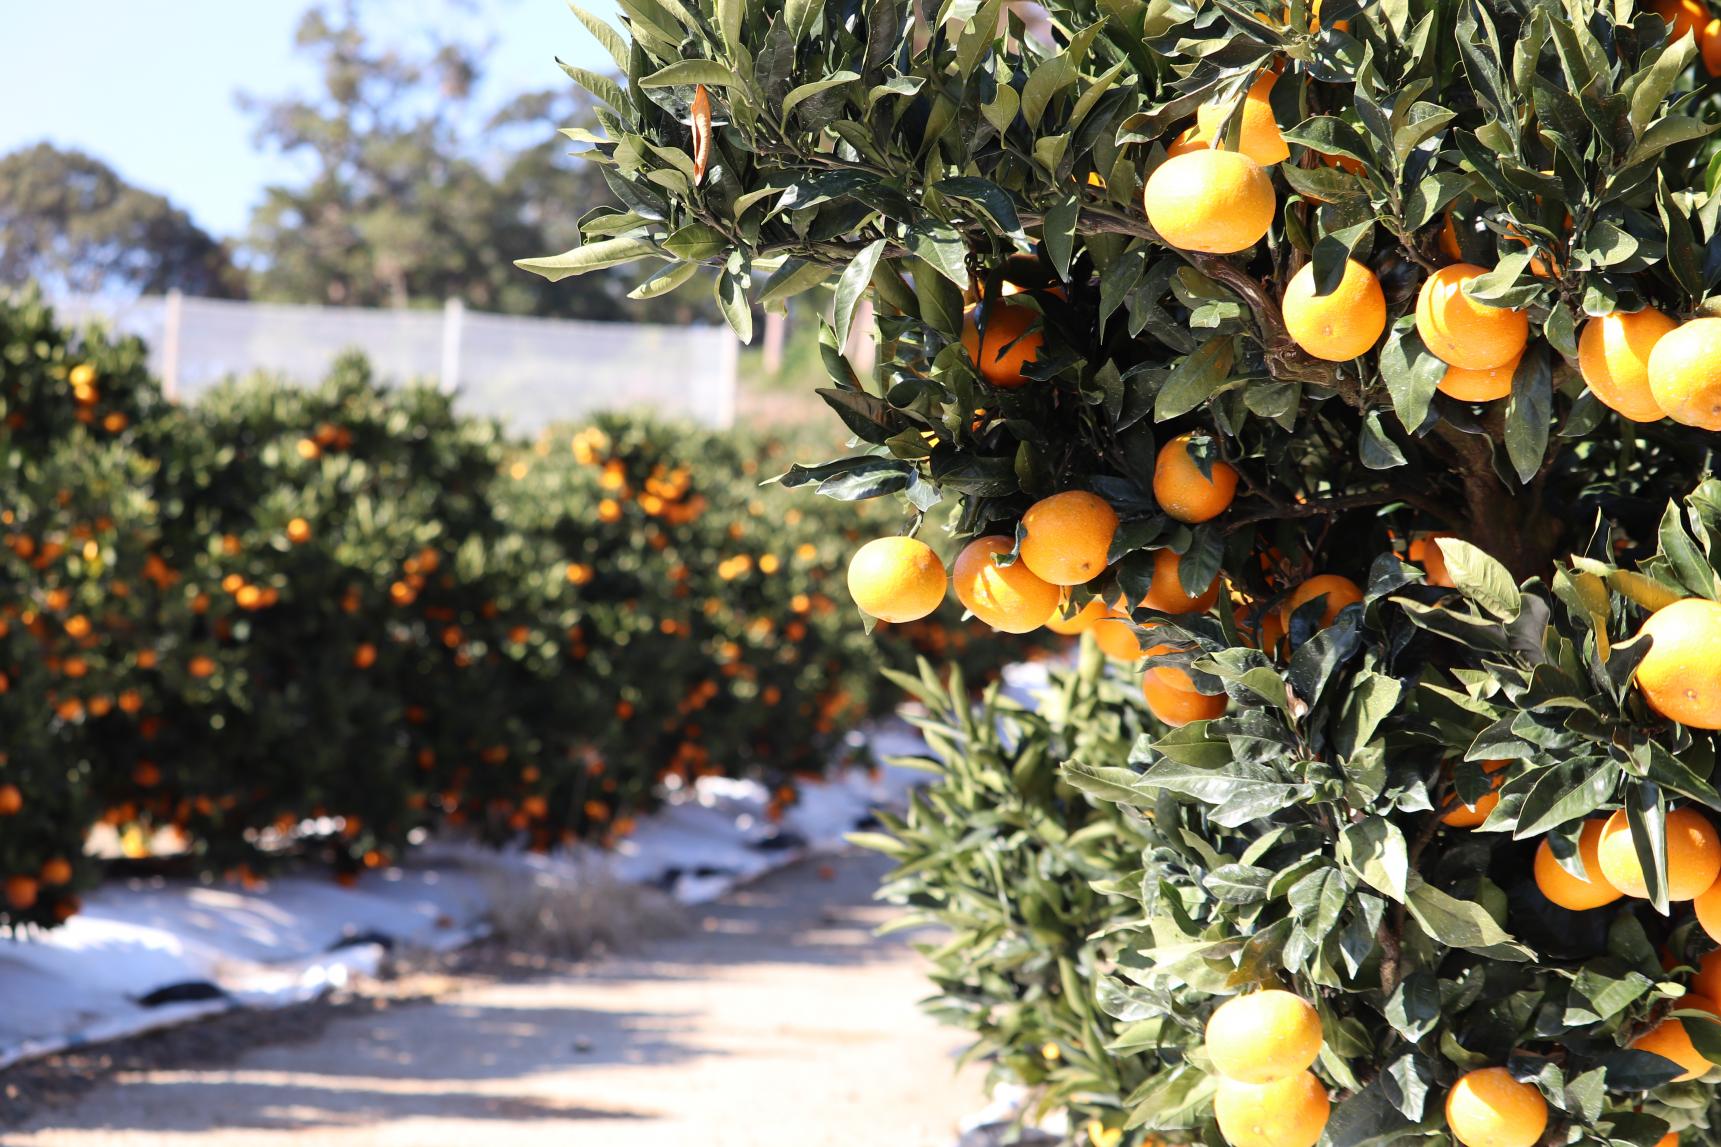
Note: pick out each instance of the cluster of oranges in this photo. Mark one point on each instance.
(1066, 542)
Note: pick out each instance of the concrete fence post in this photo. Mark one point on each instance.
(172, 320)
(453, 318)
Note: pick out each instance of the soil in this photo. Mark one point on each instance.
(777, 1019)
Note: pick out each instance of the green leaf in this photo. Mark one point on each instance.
(1411, 372)
(1108, 783)
(1058, 230)
(1529, 416)
(689, 72)
(1375, 850)
(792, 278)
(1461, 923)
(809, 90)
(941, 246)
(665, 280)
(1481, 578)
(612, 41)
(589, 257)
(732, 301)
(852, 285)
(1194, 378)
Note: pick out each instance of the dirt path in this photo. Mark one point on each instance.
(781, 1021)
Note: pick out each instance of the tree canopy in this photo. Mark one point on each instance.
(69, 220)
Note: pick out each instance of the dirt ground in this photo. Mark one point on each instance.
(779, 1019)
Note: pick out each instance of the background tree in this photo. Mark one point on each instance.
(70, 221)
(413, 189)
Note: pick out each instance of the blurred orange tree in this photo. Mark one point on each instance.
(286, 620)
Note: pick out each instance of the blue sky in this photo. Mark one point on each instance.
(148, 85)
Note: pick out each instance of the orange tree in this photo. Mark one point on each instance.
(286, 621)
(1335, 365)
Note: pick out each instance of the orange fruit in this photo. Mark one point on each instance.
(364, 656)
(1188, 140)
(1707, 981)
(1338, 590)
(1425, 548)
(1671, 1139)
(1708, 907)
(1176, 706)
(1183, 491)
(1008, 598)
(57, 870)
(896, 579)
(1167, 593)
(1259, 137)
(1710, 45)
(1067, 537)
(1008, 347)
(1488, 1108)
(1263, 1037)
(1289, 1112)
(1680, 676)
(1613, 357)
(1338, 326)
(1116, 637)
(1174, 676)
(298, 531)
(1218, 202)
(21, 893)
(1479, 385)
(1670, 1040)
(1693, 855)
(1461, 331)
(11, 800)
(1571, 892)
(1463, 815)
(1081, 621)
(1685, 373)
(1684, 17)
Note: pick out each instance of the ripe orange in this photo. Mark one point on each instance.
(1463, 815)
(1613, 357)
(1081, 621)
(1183, 491)
(1263, 1036)
(1116, 637)
(1426, 549)
(1461, 331)
(1174, 676)
(1685, 373)
(1176, 706)
(1571, 892)
(1707, 981)
(896, 579)
(1259, 138)
(1167, 593)
(364, 656)
(1680, 676)
(1218, 202)
(1338, 590)
(56, 870)
(1693, 855)
(21, 893)
(201, 666)
(298, 531)
(1479, 385)
(1290, 1112)
(1339, 326)
(1488, 1108)
(1009, 345)
(1710, 45)
(11, 800)
(1008, 598)
(1670, 1040)
(1708, 906)
(1684, 17)
(1067, 537)
(1188, 140)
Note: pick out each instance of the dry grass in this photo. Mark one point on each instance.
(572, 917)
